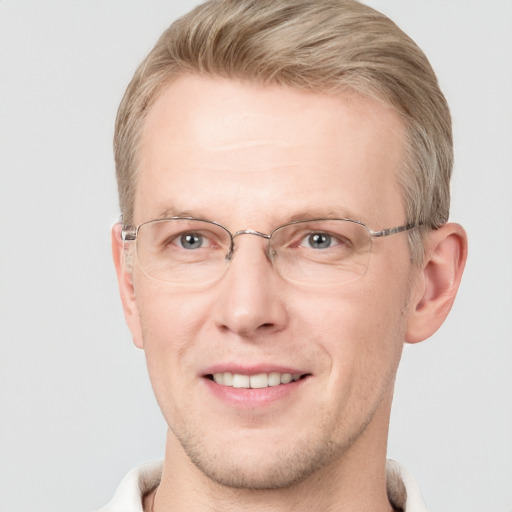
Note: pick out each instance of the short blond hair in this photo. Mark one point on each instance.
(322, 46)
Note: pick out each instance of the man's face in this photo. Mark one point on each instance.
(251, 157)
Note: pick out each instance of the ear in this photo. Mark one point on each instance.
(125, 282)
(439, 279)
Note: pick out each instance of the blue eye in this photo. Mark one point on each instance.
(191, 241)
(319, 240)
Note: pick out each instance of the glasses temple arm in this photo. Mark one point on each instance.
(128, 233)
(392, 231)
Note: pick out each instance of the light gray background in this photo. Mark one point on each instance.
(76, 407)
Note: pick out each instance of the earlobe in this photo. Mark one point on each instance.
(445, 257)
(126, 288)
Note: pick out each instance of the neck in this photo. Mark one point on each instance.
(354, 481)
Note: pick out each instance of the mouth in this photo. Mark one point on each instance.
(258, 381)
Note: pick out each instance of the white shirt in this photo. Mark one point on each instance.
(403, 492)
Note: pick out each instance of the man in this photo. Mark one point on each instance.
(283, 172)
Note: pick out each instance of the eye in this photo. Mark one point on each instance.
(191, 241)
(330, 237)
(318, 241)
(323, 240)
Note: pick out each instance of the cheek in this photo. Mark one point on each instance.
(383, 325)
(361, 330)
(169, 316)
(356, 317)
(171, 320)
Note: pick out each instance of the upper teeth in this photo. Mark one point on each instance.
(261, 380)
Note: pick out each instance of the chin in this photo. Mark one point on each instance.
(261, 468)
(279, 473)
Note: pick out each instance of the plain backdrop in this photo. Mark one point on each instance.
(76, 407)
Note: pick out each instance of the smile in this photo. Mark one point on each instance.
(261, 380)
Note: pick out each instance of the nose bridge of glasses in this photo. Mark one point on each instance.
(244, 232)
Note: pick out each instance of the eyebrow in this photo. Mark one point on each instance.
(175, 212)
(316, 213)
(323, 213)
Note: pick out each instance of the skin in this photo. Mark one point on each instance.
(254, 157)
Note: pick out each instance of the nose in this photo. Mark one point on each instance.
(251, 295)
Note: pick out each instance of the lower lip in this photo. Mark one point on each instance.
(252, 397)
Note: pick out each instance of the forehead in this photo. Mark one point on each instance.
(208, 143)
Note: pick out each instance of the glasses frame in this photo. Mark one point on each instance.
(129, 233)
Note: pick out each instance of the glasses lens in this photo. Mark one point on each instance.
(182, 251)
(190, 251)
(321, 251)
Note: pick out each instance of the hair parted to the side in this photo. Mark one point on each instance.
(323, 46)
